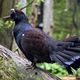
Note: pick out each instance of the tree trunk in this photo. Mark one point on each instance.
(24, 66)
(6, 33)
(48, 16)
(6, 37)
(5, 6)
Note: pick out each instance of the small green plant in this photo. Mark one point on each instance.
(54, 69)
(58, 70)
(5, 24)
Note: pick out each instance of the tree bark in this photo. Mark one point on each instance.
(6, 37)
(5, 6)
(6, 33)
(24, 66)
(48, 16)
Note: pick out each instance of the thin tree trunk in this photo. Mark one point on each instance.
(48, 16)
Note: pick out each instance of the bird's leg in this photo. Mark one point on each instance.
(34, 61)
(68, 68)
(33, 65)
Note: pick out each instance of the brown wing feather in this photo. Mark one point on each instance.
(35, 43)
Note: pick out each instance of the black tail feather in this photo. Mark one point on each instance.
(74, 49)
(66, 56)
(68, 59)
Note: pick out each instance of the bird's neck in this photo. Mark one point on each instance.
(20, 21)
(21, 27)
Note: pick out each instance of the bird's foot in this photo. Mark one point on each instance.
(29, 67)
(32, 66)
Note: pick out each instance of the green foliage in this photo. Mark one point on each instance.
(8, 24)
(5, 24)
(78, 72)
(63, 20)
(54, 69)
(18, 5)
(58, 70)
(1, 24)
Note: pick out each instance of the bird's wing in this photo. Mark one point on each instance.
(34, 41)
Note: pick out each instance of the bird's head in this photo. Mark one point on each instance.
(17, 15)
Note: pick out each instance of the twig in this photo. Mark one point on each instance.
(27, 4)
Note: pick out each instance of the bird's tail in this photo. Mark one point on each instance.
(68, 53)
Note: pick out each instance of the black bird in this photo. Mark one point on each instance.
(39, 47)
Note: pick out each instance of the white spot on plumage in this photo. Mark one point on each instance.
(22, 34)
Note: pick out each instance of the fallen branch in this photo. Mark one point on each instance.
(23, 64)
